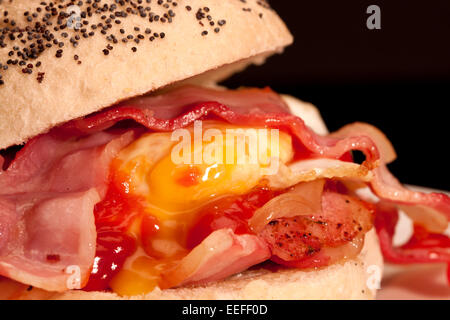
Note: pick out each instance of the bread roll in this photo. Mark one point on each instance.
(117, 53)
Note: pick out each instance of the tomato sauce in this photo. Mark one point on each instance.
(113, 216)
(119, 209)
(189, 177)
(230, 212)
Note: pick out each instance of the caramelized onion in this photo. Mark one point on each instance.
(304, 199)
(347, 251)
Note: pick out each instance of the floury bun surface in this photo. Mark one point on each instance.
(52, 73)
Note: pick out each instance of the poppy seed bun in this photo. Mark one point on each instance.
(189, 38)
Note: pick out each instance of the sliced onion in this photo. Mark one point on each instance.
(221, 254)
(432, 210)
(308, 170)
(347, 251)
(304, 199)
(387, 151)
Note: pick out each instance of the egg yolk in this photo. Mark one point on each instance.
(175, 192)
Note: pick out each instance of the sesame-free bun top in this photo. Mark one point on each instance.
(54, 69)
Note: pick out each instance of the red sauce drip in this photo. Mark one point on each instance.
(189, 177)
(231, 212)
(112, 250)
(423, 239)
(149, 229)
(113, 215)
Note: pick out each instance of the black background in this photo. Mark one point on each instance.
(397, 78)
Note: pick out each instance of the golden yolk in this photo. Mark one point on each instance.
(171, 192)
(140, 274)
(174, 188)
(177, 188)
(175, 191)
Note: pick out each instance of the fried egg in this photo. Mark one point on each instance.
(174, 191)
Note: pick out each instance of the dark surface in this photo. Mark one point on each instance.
(397, 78)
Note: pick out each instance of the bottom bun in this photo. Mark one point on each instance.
(348, 280)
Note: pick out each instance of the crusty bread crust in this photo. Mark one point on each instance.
(347, 280)
(33, 103)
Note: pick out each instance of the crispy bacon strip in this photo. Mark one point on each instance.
(246, 107)
(385, 147)
(250, 107)
(388, 188)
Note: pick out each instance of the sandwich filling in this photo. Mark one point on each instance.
(154, 193)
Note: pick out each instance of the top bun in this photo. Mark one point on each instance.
(62, 66)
